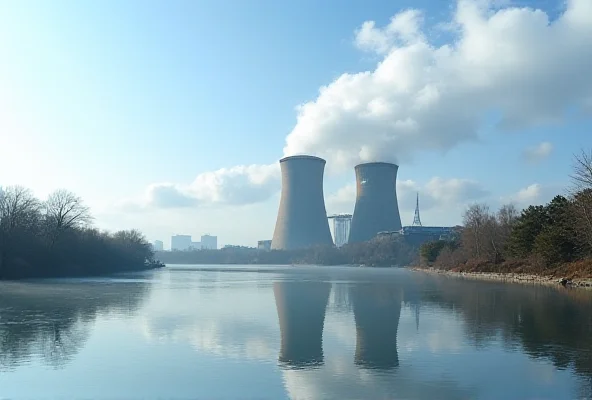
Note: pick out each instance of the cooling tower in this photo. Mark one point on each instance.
(376, 311)
(302, 218)
(301, 311)
(376, 208)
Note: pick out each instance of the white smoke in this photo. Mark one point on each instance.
(513, 63)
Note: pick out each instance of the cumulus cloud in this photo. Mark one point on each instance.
(537, 153)
(513, 61)
(404, 28)
(238, 185)
(533, 194)
(436, 193)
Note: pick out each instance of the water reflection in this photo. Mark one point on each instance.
(301, 311)
(52, 321)
(377, 308)
(547, 322)
(343, 333)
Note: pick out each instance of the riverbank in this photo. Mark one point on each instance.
(517, 277)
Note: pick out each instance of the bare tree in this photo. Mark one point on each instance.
(64, 210)
(18, 208)
(582, 170)
(582, 197)
(507, 215)
(477, 222)
(19, 212)
(506, 218)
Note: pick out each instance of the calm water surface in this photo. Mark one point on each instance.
(187, 332)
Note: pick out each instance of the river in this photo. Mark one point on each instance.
(227, 332)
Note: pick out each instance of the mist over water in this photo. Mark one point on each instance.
(292, 332)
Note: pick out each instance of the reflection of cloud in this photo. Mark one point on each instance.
(448, 337)
(227, 341)
(340, 379)
(223, 337)
(438, 360)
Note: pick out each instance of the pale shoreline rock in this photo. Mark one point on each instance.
(512, 277)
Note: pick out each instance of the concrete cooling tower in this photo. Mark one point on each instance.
(302, 218)
(376, 208)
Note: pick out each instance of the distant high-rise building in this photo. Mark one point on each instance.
(341, 225)
(209, 242)
(158, 245)
(195, 246)
(181, 242)
(264, 245)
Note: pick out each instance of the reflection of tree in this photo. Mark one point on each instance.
(377, 307)
(52, 320)
(547, 322)
(301, 307)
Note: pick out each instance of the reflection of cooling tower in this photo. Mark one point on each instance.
(376, 311)
(302, 218)
(301, 310)
(376, 207)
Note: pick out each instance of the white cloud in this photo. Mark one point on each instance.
(534, 194)
(239, 185)
(510, 60)
(437, 192)
(529, 194)
(502, 59)
(537, 153)
(438, 195)
(342, 201)
(404, 28)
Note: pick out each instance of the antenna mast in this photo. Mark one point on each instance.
(416, 219)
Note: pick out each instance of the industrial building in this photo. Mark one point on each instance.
(264, 245)
(376, 209)
(180, 242)
(209, 242)
(341, 228)
(302, 217)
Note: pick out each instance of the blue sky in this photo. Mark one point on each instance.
(111, 99)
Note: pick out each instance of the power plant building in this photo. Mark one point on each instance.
(302, 217)
(341, 227)
(376, 209)
(264, 245)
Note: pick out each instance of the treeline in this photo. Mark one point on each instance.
(54, 238)
(377, 252)
(555, 238)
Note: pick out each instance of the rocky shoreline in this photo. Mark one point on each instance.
(512, 277)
